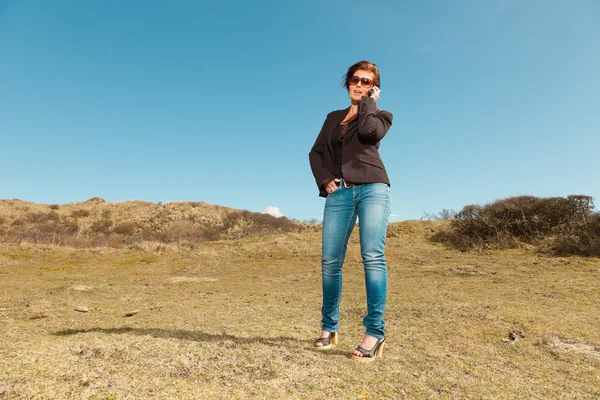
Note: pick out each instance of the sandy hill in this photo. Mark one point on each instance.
(96, 222)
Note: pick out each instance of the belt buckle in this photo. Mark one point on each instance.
(348, 185)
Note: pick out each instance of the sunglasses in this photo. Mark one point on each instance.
(365, 82)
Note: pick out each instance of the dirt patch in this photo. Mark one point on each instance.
(180, 279)
(467, 270)
(459, 270)
(581, 348)
(81, 288)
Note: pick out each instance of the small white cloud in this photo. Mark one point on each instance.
(395, 215)
(274, 211)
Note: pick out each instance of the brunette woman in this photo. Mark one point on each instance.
(349, 172)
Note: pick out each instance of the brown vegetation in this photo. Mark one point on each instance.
(96, 223)
(80, 213)
(564, 225)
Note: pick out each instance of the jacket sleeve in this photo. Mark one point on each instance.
(373, 124)
(317, 156)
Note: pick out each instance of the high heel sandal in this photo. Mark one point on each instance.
(370, 355)
(327, 342)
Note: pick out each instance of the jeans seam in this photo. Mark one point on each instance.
(345, 244)
(388, 210)
(348, 232)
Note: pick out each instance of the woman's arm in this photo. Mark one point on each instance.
(373, 124)
(316, 157)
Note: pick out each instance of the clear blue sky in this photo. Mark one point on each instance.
(221, 101)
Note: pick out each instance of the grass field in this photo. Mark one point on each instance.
(236, 319)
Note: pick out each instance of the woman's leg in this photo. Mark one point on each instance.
(373, 205)
(339, 218)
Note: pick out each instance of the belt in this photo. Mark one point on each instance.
(346, 184)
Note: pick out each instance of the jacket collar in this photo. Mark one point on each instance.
(340, 115)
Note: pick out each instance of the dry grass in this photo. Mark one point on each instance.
(236, 319)
(133, 224)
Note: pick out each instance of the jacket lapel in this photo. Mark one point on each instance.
(336, 119)
(339, 116)
(350, 131)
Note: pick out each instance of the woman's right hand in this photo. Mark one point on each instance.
(332, 185)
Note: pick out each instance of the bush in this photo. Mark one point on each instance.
(54, 206)
(101, 226)
(50, 231)
(41, 217)
(182, 230)
(445, 214)
(242, 224)
(80, 213)
(580, 237)
(125, 228)
(311, 221)
(18, 222)
(570, 222)
(96, 200)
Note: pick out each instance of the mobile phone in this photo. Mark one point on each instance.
(370, 92)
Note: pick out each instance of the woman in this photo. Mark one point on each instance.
(350, 174)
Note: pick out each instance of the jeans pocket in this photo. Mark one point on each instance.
(334, 193)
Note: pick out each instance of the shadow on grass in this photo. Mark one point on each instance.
(181, 334)
(199, 337)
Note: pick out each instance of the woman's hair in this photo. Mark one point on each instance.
(365, 65)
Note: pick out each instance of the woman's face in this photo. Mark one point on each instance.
(360, 87)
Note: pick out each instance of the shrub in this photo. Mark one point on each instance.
(212, 233)
(41, 217)
(241, 224)
(99, 241)
(45, 231)
(101, 226)
(507, 223)
(445, 214)
(182, 230)
(311, 221)
(50, 231)
(54, 206)
(18, 222)
(580, 237)
(125, 228)
(80, 213)
(95, 200)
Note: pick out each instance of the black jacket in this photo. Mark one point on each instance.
(360, 155)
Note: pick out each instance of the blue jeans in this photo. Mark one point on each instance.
(371, 204)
